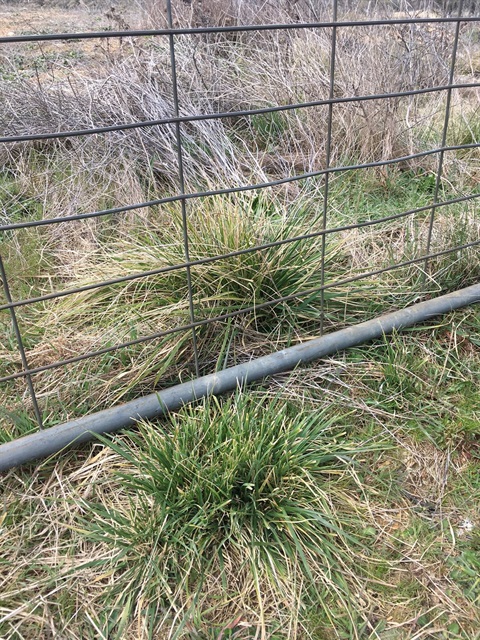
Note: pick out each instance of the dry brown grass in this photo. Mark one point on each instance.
(417, 494)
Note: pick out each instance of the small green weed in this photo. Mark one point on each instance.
(19, 423)
(268, 127)
(465, 568)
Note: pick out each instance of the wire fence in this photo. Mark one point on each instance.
(26, 373)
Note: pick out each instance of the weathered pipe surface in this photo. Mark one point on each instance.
(49, 441)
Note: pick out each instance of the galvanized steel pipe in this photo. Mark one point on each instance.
(50, 441)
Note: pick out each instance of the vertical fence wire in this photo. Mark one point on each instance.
(181, 182)
(441, 157)
(21, 348)
(328, 154)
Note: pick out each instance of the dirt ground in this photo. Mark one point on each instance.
(23, 19)
(16, 19)
(49, 60)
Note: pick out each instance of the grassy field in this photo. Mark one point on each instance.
(339, 501)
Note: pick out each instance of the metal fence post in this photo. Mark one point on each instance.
(21, 348)
(326, 184)
(441, 157)
(181, 182)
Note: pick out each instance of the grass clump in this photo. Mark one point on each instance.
(220, 227)
(249, 279)
(241, 489)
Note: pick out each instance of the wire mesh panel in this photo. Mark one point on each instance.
(182, 198)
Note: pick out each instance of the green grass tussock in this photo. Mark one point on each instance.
(216, 228)
(243, 481)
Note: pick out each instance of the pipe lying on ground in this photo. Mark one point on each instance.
(49, 441)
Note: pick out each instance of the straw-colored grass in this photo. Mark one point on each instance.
(340, 501)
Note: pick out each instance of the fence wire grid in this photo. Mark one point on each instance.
(23, 373)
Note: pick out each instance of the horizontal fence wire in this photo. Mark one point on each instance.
(232, 254)
(233, 114)
(235, 29)
(243, 188)
(239, 312)
(183, 196)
